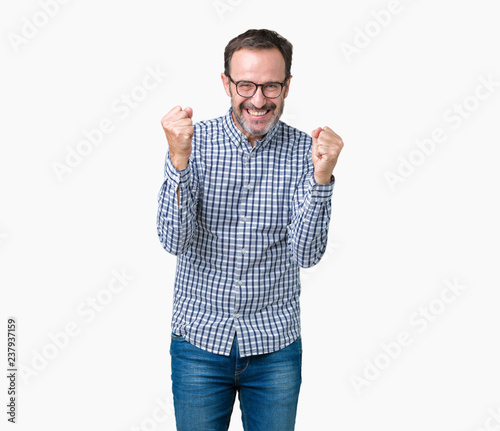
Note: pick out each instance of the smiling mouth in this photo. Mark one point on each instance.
(257, 114)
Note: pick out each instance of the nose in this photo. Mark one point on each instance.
(258, 98)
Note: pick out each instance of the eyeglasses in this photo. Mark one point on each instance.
(270, 90)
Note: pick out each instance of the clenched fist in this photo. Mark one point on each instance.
(179, 130)
(325, 152)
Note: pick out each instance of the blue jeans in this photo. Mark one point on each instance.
(204, 386)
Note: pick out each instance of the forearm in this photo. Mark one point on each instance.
(177, 202)
(308, 230)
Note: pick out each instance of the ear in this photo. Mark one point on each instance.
(225, 83)
(287, 86)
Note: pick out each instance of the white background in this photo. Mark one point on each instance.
(392, 250)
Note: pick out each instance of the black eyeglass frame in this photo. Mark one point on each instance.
(282, 84)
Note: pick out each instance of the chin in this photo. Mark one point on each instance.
(261, 131)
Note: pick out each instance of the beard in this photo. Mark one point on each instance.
(257, 127)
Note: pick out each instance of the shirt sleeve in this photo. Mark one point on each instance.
(176, 221)
(308, 229)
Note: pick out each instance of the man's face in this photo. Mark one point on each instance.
(256, 115)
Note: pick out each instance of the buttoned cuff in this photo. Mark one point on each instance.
(321, 192)
(174, 177)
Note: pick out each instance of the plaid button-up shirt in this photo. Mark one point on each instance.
(247, 220)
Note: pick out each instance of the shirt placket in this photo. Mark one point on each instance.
(243, 233)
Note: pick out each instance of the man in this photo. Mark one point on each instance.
(245, 203)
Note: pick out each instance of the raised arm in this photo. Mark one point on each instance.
(178, 197)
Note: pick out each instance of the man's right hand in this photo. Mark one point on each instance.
(179, 130)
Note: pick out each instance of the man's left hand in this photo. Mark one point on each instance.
(325, 152)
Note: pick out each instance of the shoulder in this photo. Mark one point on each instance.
(294, 135)
(298, 142)
(206, 126)
(207, 132)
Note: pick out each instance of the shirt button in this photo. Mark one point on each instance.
(237, 315)
(248, 186)
(243, 251)
(315, 193)
(240, 283)
(244, 219)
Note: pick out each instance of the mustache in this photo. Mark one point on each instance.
(268, 106)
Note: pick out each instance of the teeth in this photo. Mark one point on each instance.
(257, 113)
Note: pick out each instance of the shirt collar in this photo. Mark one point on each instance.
(230, 128)
(236, 136)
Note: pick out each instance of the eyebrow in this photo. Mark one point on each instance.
(267, 82)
